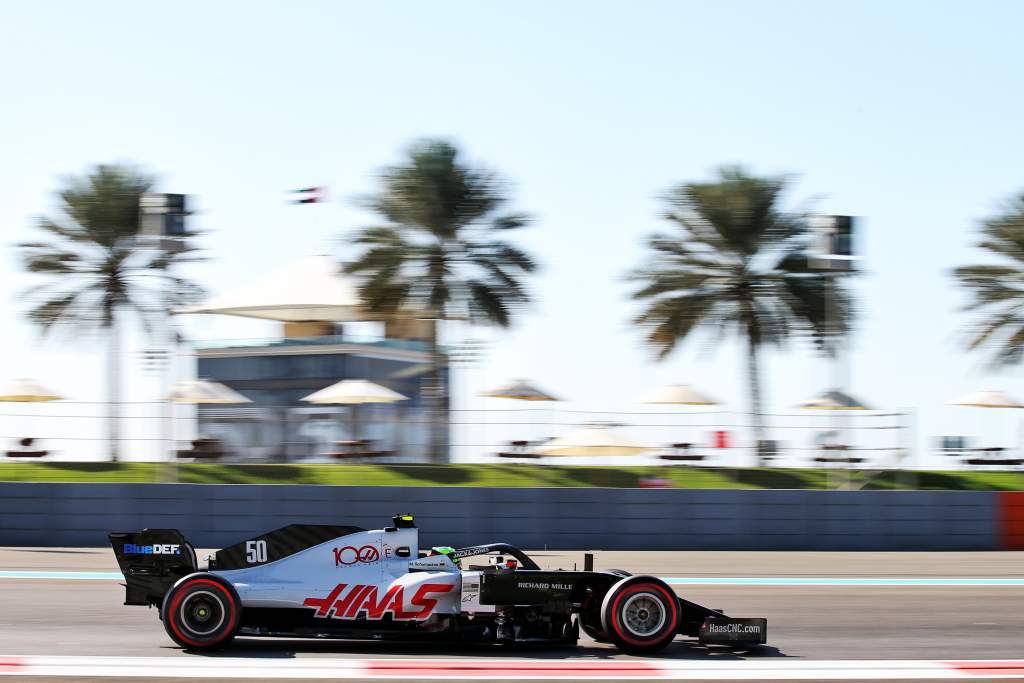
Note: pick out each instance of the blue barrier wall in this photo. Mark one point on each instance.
(213, 515)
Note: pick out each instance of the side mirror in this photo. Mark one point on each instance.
(403, 551)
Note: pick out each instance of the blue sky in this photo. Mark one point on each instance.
(905, 113)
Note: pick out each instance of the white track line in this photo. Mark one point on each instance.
(505, 669)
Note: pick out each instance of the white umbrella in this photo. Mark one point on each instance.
(28, 391)
(987, 399)
(354, 391)
(679, 394)
(593, 440)
(204, 391)
(201, 392)
(311, 289)
(519, 390)
(834, 400)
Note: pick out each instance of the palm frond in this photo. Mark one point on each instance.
(734, 264)
(91, 260)
(996, 290)
(488, 304)
(437, 251)
(669, 320)
(512, 221)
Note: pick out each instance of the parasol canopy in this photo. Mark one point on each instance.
(353, 392)
(987, 399)
(519, 390)
(594, 440)
(679, 394)
(834, 400)
(204, 391)
(28, 391)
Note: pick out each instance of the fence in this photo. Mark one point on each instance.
(76, 431)
(563, 518)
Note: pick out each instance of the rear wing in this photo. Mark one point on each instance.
(152, 560)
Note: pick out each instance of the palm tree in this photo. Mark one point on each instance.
(440, 253)
(996, 289)
(735, 264)
(96, 268)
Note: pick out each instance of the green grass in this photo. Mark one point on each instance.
(513, 474)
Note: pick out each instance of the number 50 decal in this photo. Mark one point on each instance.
(255, 551)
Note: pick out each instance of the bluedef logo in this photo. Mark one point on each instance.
(155, 549)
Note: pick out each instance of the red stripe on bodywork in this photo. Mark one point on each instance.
(1010, 518)
(357, 603)
(8, 664)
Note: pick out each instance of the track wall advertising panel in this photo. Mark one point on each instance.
(214, 515)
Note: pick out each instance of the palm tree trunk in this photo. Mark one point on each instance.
(114, 388)
(436, 392)
(756, 417)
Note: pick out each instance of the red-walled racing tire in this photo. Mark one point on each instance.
(201, 612)
(640, 614)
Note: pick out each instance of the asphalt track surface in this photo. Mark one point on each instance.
(806, 623)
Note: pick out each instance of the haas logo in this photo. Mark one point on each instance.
(346, 603)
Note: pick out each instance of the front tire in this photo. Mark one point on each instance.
(640, 614)
(201, 612)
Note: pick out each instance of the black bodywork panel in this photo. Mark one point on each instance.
(152, 560)
(723, 630)
(537, 587)
(279, 544)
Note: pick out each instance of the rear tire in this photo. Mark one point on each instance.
(201, 612)
(640, 614)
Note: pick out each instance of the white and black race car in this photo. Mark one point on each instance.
(346, 582)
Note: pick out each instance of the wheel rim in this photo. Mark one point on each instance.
(202, 613)
(643, 615)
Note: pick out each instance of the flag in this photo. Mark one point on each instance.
(306, 195)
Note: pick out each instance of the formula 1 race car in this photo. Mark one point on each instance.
(346, 582)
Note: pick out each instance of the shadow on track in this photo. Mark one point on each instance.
(263, 648)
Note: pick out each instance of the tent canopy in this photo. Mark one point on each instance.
(520, 390)
(834, 400)
(679, 394)
(204, 391)
(591, 441)
(987, 399)
(354, 391)
(310, 289)
(27, 391)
